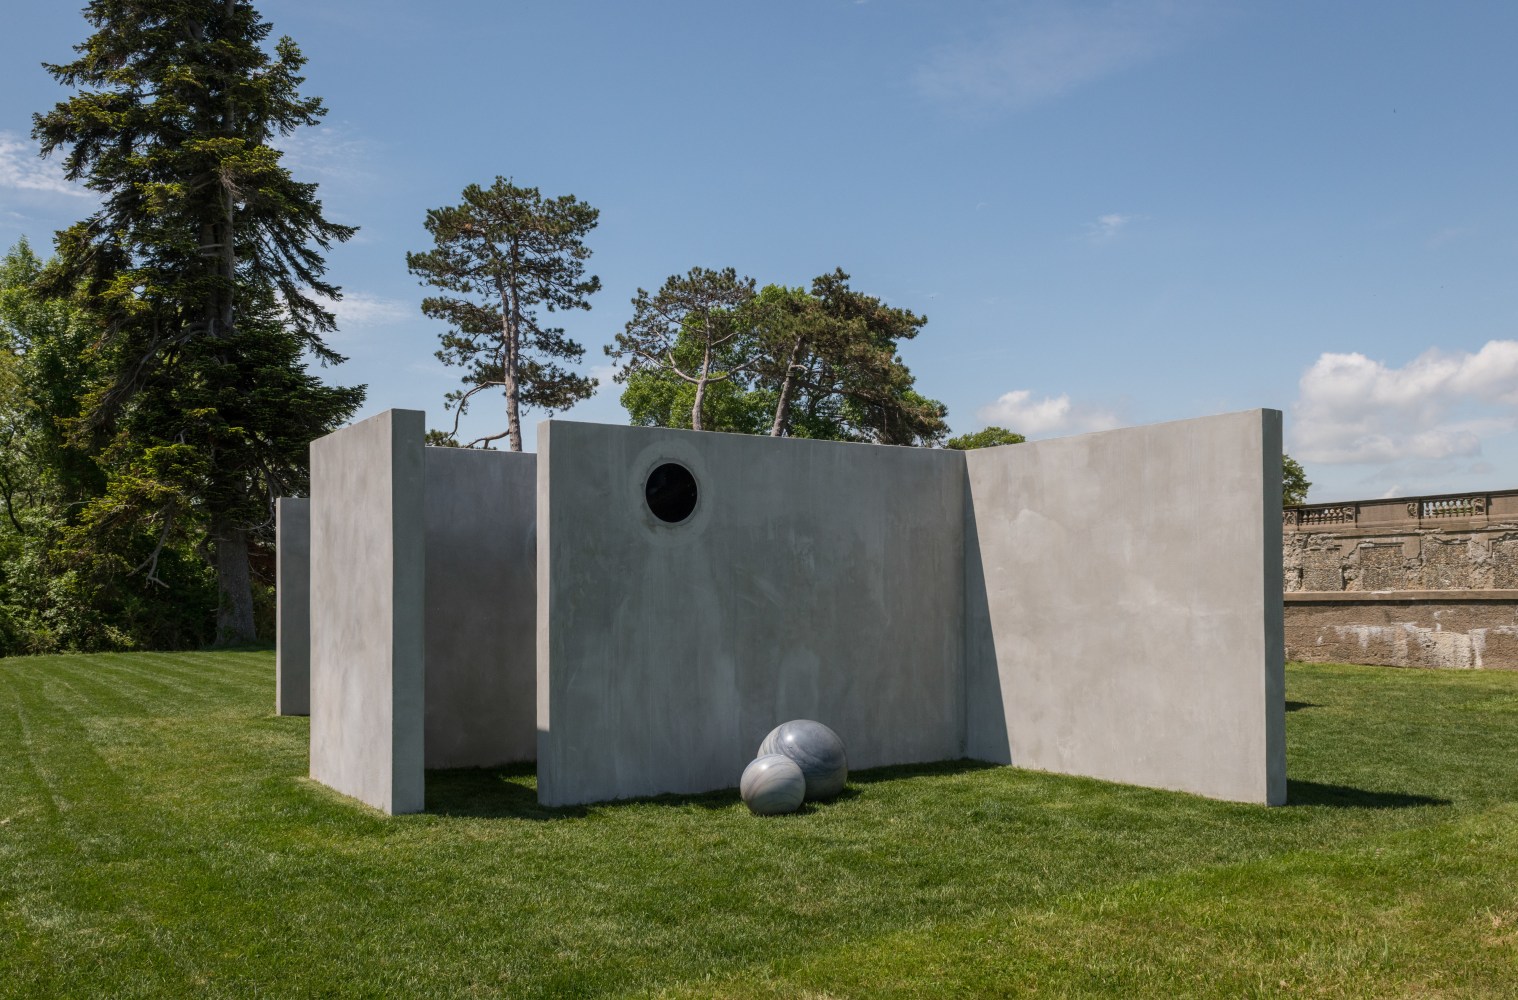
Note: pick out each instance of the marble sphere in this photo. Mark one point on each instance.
(817, 749)
(772, 784)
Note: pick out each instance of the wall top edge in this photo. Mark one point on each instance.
(1258, 413)
(1393, 501)
(1396, 596)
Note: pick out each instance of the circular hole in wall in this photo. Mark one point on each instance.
(671, 492)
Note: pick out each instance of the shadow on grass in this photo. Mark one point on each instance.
(898, 772)
(498, 792)
(511, 792)
(502, 793)
(1310, 793)
(1297, 706)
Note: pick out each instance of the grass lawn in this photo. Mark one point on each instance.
(158, 838)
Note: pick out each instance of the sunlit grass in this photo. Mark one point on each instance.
(158, 837)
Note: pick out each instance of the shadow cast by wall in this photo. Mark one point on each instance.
(1311, 793)
(899, 772)
(483, 792)
(499, 793)
(984, 720)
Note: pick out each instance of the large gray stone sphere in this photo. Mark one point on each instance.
(772, 784)
(819, 752)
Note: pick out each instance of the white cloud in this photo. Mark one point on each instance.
(21, 169)
(1049, 49)
(1018, 411)
(1440, 405)
(1106, 227)
(604, 374)
(359, 309)
(327, 151)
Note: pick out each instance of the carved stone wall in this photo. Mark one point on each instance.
(1414, 581)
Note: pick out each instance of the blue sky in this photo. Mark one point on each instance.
(1112, 213)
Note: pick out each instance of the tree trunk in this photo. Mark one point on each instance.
(695, 411)
(706, 366)
(783, 407)
(512, 313)
(234, 614)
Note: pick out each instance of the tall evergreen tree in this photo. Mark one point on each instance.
(506, 251)
(205, 264)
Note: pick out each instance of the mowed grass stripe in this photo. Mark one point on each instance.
(233, 875)
(1431, 912)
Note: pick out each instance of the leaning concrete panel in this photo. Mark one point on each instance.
(368, 619)
(292, 606)
(1124, 608)
(813, 580)
(481, 607)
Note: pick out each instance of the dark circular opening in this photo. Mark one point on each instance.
(671, 492)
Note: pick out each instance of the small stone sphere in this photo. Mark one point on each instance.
(817, 749)
(771, 785)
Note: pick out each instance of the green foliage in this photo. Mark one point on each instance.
(155, 818)
(710, 353)
(506, 251)
(832, 361)
(695, 334)
(1294, 484)
(60, 589)
(203, 272)
(990, 437)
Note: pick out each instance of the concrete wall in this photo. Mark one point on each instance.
(368, 613)
(292, 606)
(1124, 608)
(481, 607)
(814, 580)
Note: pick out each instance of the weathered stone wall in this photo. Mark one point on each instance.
(1467, 542)
(1445, 565)
(1474, 631)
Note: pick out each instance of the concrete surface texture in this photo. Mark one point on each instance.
(292, 606)
(368, 552)
(814, 579)
(1124, 606)
(481, 664)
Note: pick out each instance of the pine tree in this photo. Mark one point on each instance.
(205, 263)
(506, 251)
(696, 328)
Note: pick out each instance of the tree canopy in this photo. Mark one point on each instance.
(708, 352)
(990, 437)
(697, 329)
(506, 251)
(1294, 484)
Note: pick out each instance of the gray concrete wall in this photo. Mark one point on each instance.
(368, 615)
(1123, 606)
(814, 580)
(481, 672)
(292, 606)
